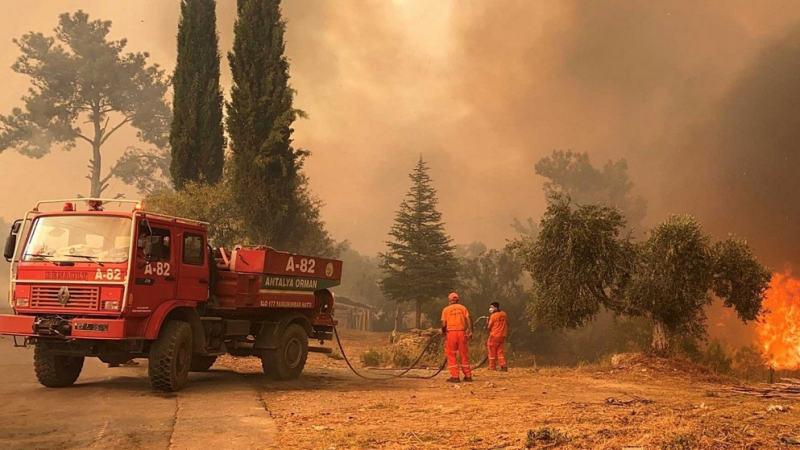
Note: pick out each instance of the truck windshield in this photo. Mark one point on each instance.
(73, 238)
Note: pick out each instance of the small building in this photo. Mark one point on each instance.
(352, 315)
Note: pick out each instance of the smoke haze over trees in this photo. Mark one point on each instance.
(80, 77)
(681, 93)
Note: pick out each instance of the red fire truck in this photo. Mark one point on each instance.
(128, 283)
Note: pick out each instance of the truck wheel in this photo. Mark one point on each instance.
(288, 360)
(171, 357)
(201, 363)
(55, 371)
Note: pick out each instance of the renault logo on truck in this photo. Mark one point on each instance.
(63, 295)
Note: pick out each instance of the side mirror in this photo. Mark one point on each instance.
(11, 241)
(153, 249)
(11, 245)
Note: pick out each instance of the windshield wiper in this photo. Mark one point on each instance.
(90, 258)
(42, 258)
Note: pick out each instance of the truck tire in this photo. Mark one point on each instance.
(201, 363)
(171, 357)
(288, 360)
(55, 371)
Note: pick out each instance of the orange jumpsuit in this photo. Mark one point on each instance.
(456, 319)
(498, 330)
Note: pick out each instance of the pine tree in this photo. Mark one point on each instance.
(196, 136)
(79, 77)
(265, 167)
(419, 265)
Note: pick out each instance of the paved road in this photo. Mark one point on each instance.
(115, 408)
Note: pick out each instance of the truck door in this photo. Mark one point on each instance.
(154, 281)
(193, 282)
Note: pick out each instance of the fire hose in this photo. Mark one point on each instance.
(405, 370)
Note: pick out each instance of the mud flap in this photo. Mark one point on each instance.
(269, 335)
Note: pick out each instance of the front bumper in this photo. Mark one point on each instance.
(77, 328)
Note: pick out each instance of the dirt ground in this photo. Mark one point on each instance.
(639, 404)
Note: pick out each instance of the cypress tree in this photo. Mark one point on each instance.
(419, 265)
(265, 166)
(196, 136)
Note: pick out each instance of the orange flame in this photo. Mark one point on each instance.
(779, 330)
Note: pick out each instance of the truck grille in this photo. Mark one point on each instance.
(80, 297)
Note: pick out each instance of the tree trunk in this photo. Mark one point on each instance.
(393, 336)
(418, 315)
(396, 317)
(660, 344)
(96, 164)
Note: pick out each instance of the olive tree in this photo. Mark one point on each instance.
(582, 263)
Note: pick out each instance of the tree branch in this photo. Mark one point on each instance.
(106, 178)
(78, 135)
(113, 130)
(103, 130)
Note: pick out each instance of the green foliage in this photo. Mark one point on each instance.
(552, 437)
(528, 229)
(147, 170)
(196, 136)
(491, 276)
(580, 264)
(208, 203)
(749, 363)
(572, 174)
(401, 359)
(266, 179)
(486, 276)
(419, 264)
(215, 204)
(372, 358)
(78, 76)
(739, 277)
(335, 355)
(672, 276)
(262, 196)
(309, 235)
(680, 442)
(717, 359)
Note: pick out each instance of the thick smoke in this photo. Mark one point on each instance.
(749, 172)
(691, 94)
(698, 96)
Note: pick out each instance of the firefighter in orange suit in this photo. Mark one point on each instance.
(498, 330)
(457, 328)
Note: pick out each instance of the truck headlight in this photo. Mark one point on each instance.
(21, 303)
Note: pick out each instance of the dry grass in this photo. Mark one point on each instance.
(657, 404)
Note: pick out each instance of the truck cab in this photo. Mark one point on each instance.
(129, 284)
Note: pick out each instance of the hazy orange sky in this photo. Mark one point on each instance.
(483, 90)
